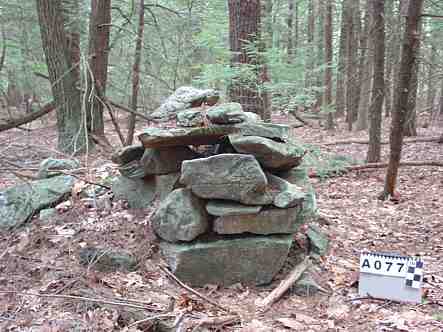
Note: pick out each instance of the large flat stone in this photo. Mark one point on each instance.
(190, 118)
(267, 221)
(160, 138)
(276, 132)
(233, 177)
(18, 204)
(251, 260)
(127, 154)
(227, 113)
(181, 216)
(271, 155)
(286, 194)
(228, 208)
(165, 160)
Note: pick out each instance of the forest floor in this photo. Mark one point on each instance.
(39, 263)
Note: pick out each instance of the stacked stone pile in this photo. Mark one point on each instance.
(226, 214)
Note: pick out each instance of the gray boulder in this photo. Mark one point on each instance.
(271, 155)
(161, 138)
(180, 217)
(140, 193)
(166, 183)
(286, 194)
(252, 117)
(47, 214)
(251, 260)
(166, 160)
(190, 118)
(319, 242)
(18, 204)
(233, 177)
(276, 132)
(183, 98)
(296, 175)
(107, 260)
(221, 208)
(267, 221)
(127, 154)
(50, 166)
(132, 170)
(226, 114)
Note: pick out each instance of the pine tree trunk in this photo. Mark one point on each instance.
(378, 87)
(340, 98)
(328, 71)
(310, 45)
(244, 28)
(351, 66)
(136, 73)
(290, 50)
(71, 16)
(410, 44)
(320, 56)
(430, 96)
(390, 56)
(99, 31)
(70, 125)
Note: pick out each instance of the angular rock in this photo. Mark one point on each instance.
(166, 160)
(132, 170)
(165, 184)
(252, 117)
(287, 194)
(180, 217)
(296, 175)
(18, 204)
(127, 154)
(107, 260)
(251, 260)
(190, 118)
(233, 177)
(221, 208)
(228, 113)
(271, 155)
(140, 193)
(160, 138)
(318, 240)
(276, 132)
(49, 167)
(267, 221)
(183, 98)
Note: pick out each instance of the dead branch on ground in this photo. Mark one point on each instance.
(16, 122)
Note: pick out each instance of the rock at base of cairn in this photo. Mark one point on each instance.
(221, 208)
(227, 261)
(139, 193)
(166, 160)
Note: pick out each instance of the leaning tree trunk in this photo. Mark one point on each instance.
(99, 30)
(136, 73)
(244, 29)
(378, 87)
(72, 136)
(411, 39)
(328, 71)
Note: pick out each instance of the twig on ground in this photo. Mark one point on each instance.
(193, 291)
(169, 315)
(216, 321)
(284, 285)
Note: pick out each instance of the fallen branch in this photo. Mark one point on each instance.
(412, 140)
(141, 321)
(299, 118)
(193, 291)
(216, 321)
(284, 285)
(13, 123)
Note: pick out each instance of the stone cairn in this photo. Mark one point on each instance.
(226, 212)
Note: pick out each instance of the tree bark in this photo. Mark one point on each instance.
(290, 21)
(340, 98)
(71, 16)
(391, 42)
(136, 73)
(72, 136)
(310, 62)
(99, 31)
(244, 30)
(328, 71)
(430, 96)
(410, 42)
(378, 86)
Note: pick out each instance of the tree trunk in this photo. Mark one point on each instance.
(390, 54)
(351, 66)
(72, 136)
(99, 31)
(410, 42)
(430, 97)
(290, 21)
(244, 29)
(378, 87)
(320, 56)
(366, 58)
(328, 71)
(136, 73)
(71, 16)
(340, 100)
(310, 45)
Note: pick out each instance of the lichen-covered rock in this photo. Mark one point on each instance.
(180, 217)
(251, 260)
(267, 221)
(50, 166)
(233, 177)
(271, 155)
(127, 154)
(140, 193)
(132, 170)
(183, 98)
(227, 113)
(18, 204)
(166, 160)
(221, 208)
(286, 194)
(318, 240)
(273, 131)
(166, 183)
(190, 118)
